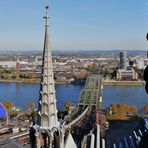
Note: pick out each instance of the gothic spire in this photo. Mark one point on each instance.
(47, 110)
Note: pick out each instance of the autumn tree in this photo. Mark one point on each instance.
(9, 105)
(93, 67)
(31, 105)
(145, 108)
(67, 105)
(64, 112)
(134, 109)
(120, 111)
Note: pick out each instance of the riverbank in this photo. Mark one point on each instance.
(29, 81)
(105, 82)
(124, 83)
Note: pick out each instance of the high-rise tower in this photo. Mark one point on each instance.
(123, 60)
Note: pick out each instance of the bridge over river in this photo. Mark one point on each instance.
(85, 122)
(82, 121)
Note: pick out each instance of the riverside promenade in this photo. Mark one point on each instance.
(126, 83)
(105, 82)
(29, 81)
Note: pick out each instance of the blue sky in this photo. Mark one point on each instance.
(74, 24)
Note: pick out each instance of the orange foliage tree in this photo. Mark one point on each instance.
(31, 105)
(68, 105)
(120, 111)
(145, 108)
(9, 105)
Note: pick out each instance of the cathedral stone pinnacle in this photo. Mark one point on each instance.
(47, 111)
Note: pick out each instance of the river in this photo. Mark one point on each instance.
(20, 94)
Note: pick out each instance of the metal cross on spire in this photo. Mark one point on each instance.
(46, 17)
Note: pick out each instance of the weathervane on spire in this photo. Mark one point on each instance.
(46, 17)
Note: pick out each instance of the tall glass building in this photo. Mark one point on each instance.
(123, 60)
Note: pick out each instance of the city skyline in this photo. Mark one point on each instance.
(74, 25)
(36, 113)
